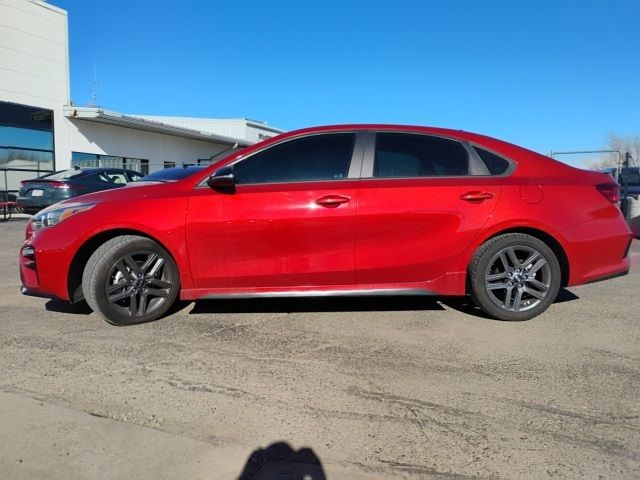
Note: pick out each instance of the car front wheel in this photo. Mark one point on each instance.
(130, 279)
(514, 277)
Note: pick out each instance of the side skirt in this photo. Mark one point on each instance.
(321, 293)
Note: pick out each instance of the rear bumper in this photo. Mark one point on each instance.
(598, 250)
(609, 277)
(35, 202)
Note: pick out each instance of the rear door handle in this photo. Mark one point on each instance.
(332, 201)
(476, 196)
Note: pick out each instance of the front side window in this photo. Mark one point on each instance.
(119, 178)
(307, 159)
(402, 155)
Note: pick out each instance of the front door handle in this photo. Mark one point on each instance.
(476, 197)
(332, 201)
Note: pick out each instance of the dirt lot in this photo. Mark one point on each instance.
(350, 389)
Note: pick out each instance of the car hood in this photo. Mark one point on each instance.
(128, 193)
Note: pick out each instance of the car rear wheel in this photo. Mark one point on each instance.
(514, 277)
(130, 280)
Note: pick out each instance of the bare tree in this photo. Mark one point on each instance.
(624, 144)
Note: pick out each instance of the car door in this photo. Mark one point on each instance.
(288, 222)
(422, 201)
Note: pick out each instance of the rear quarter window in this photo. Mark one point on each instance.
(496, 164)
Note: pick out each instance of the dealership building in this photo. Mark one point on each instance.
(42, 130)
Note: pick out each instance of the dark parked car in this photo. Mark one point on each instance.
(54, 187)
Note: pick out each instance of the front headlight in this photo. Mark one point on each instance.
(49, 218)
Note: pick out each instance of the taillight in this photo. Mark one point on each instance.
(610, 191)
(59, 185)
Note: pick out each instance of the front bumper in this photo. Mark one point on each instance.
(44, 264)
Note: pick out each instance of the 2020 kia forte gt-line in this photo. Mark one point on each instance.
(341, 210)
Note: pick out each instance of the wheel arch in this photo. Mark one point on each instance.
(80, 258)
(545, 237)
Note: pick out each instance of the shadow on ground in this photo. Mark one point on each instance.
(349, 304)
(310, 304)
(279, 461)
(60, 306)
(323, 304)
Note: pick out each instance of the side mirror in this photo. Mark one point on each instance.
(222, 179)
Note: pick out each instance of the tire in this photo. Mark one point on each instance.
(514, 277)
(130, 280)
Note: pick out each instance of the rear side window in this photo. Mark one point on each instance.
(313, 158)
(96, 177)
(494, 163)
(411, 155)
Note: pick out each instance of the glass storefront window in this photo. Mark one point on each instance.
(137, 164)
(18, 157)
(84, 160)
(25, 138)
(80, 159)
(26, 145)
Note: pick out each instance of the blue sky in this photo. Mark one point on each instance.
(543, 74)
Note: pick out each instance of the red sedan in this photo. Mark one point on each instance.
(341, 210)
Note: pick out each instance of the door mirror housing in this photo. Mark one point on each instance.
(223, 180)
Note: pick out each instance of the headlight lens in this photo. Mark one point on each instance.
(49, 218)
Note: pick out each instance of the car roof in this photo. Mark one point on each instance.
(88, 170)
(381, 127)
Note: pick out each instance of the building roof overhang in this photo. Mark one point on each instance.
(108, 117)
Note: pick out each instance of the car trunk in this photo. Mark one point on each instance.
(42, 188)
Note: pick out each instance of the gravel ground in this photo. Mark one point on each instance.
(342, 388)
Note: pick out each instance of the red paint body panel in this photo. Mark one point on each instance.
(272, 235)
(414, 230)
(399, 233)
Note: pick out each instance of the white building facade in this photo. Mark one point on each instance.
(40, 129)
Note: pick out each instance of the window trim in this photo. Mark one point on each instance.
(475, 163)
(353, 172)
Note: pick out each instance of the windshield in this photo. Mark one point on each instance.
(171, 174)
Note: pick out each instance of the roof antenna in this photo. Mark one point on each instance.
(94, 88)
